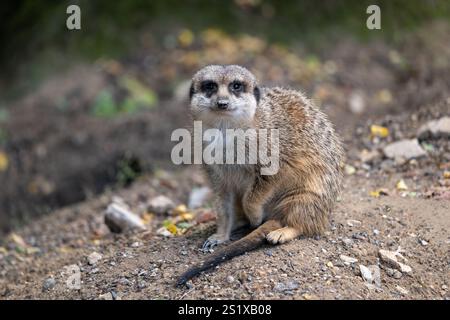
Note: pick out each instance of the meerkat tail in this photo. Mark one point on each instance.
(250, 242)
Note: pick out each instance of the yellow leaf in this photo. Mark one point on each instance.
(17, 239)
(185, 38)
(180, 209)
(379, 131)
(374, 194)
(65, 249)
(187, 216)
(446, 174)
(147, 217)
(4, 162)
(401, 185)
(172, 228)
(379, 192)
(384, 96)
(32, 250)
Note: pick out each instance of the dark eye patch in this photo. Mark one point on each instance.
(237, 86)
(208, 86)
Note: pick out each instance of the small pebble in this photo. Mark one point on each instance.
(49, 284)
(105, 296)
(94, 257)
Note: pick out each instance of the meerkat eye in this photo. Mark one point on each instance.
(208, 86)
(237, 86)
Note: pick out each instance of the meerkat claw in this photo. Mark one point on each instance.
(210, 244)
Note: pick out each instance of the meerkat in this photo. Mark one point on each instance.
(297, 200)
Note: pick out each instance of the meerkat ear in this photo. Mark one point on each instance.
(191, 91)
(257, 94)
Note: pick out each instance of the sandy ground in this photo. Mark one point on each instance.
(414, 222)
(142, 265)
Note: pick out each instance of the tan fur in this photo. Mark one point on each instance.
(302, 194)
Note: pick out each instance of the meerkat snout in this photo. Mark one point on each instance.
(222, 104)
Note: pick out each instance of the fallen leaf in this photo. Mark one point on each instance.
(179, 210)
(4, 162)
(308, 296)
(401, 185)
(379, 192)
(185, 38)
(147, 217)
(187, 216)
(32, 250)
(65, 249)
(18, 240)
(379, 131)
(172, 228)
(384, 96)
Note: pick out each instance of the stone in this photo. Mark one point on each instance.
(357, 102)
(435, 128)
(366, 274)
(391, 259)
(376, 275)
(160, 205)
(136, 244)
(371, 274)
(397, 274)
(198, 197)
(367, 156)
(404, 150)
(105, 296)
(93, 258)
(347, 242)
(230, 279)
(164, 232)
(288, 286)
(348, 260)
(353, 223)
(402, 290)
(349, 170)
(49, 283)
(119, 218)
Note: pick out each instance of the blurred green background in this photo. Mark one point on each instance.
(34, 31)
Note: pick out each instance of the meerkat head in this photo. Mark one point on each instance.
(225, 94)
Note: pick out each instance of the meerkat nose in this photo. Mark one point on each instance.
(222, 104)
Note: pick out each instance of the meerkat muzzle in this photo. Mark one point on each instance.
(222, 104)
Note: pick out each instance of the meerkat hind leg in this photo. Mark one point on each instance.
(282, 235)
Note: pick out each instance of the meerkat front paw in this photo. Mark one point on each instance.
(214, 241)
